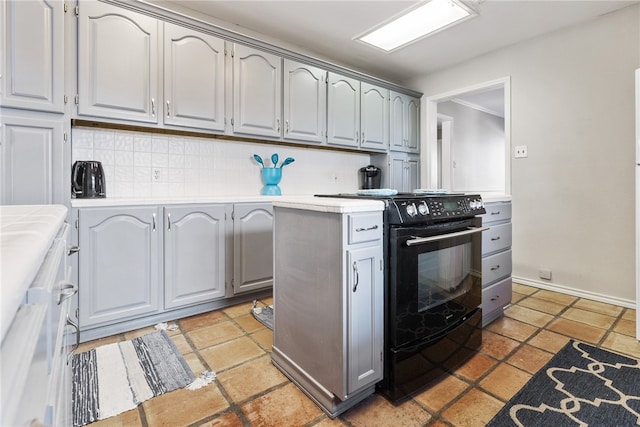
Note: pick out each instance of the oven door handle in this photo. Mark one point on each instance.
(421, 240)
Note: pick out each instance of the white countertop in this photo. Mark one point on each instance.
(131, 201)
(26, 234)
(329, 204)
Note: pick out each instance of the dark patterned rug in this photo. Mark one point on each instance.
(580, 386)
(115, 378)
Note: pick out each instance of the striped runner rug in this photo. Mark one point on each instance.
(115, 378)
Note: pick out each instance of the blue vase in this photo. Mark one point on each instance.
(271, 178)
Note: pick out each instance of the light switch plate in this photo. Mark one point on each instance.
(521, 151)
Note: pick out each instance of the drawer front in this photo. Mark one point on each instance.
(496, 238)
(497, 212)
(496, 296)
(365, 227)
(496, 267)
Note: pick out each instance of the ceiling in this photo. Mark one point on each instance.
(326, 28)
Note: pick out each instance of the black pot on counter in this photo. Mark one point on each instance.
(87, 180)
(370, 177)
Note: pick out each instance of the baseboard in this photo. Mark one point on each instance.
(565, 289)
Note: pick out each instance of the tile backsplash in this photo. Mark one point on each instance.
(202, 167)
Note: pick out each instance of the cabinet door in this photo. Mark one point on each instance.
(194, 254)
(257, 85)
(412, 142)
(365, 313)
(252, 246)
(305, 102)
(413, 174)
(397, 174)
(343, 117)
(397, 120)
(32, 55)
(118, 264)
(117, 63)
(374, 121)
(193, 95)
(31, 158)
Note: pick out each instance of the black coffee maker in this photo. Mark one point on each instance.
(370, 177)
(87, 180)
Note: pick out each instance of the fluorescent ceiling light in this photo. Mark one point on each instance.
(420, 22)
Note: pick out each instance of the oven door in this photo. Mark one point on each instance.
(435, 279)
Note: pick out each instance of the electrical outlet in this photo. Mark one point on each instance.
(521, 151)
(155, 175)
(544, 273)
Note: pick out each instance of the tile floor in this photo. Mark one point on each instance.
(250, 391)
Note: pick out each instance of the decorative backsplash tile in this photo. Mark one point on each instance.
(201, 167)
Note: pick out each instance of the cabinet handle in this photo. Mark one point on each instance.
(497, 297)
(278, 125)
(67, 290)
(75, 346)
(495, 267)
(375, 227)
(495, 238)
(72, 250)
(357, 137)
(168, 109)
(495, 213)
(357, 276)
(168, 222)
(153, 222)
(362, 137)
(153, 106)
(286, 126)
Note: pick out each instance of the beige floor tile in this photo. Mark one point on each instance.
(629, 314)
(622, 344)
(251, 378)
(589, 317)
(528, 316)
(201, 320)
(625, 327)
(475, 367)
(523, 289)
(475, 409)
(195, 363)
(238, 310)
(598, 307)
(505, 381)
(230, 419)
(542, 305)
(264, 338)
(90, 345)
(549, 341)
(496, 345)
(529, 358)
(214, 334)
(126, 419)
(249, 323)
(379, 412)
(181, 343)
(577, 330)
(231, 353)
(328, 422)
(516, 297)
(441, 393)
(283, 406)
(512, 328)
(555, 297)
(139, 332)
(183, 407)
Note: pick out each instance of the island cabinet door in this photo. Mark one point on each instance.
(194, 243)
(252, 247)
(365, 317)
(120, 250)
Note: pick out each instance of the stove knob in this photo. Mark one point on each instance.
(411, 210)
(423, 209)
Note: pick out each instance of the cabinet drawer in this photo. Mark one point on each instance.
(496, 296)
(365, 227)
(496, 267)
(496, 212)
(496, 238)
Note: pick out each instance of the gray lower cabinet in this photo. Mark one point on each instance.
(119, 264)
(496, 260)
(328, 299)
(252, 247)
(194, 254)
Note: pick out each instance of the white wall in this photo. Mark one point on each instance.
(572, 104)
(477, 148)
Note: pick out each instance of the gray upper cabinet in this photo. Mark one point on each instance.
(404, 123)
(374, 123)
(343, 111)
(193, 79)
(194, 254)
(32, 55)
(31, 158)
(257, 92)
(252, 246)
(117, 63)
(305, 102)
(404, 172)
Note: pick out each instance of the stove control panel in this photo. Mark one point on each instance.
(414, 210)
(456, 206)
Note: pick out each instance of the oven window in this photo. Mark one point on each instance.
(442, 275)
